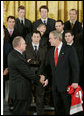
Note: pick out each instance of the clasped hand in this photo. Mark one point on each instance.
(43, 81)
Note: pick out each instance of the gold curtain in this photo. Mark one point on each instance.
(57, 9)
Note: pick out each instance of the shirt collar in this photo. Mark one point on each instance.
(59, 47)
(70, 43)
(62, 32)
(18, 51)
(22, 19)
(73, 21)
(35, 45)
(45, 20)
(10, 29)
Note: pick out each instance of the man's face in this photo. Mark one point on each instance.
(21, 13)
(52, 40)
(42, 30)
(10, 23)
(59, 26)
(36, 38)
(23, 45)
(69, 38)
(44, 13)
(72, 15)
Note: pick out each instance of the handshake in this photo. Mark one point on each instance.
(43, 81)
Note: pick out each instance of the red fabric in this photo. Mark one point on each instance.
(56, 56)
(75, 95)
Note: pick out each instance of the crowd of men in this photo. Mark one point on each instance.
(29, 66)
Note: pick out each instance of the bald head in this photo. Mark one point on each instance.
(19, 43)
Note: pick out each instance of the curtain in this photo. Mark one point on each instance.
(57, 9)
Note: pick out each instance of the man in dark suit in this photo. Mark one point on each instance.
(59, 25)
(73, 24)
(50, 23)
(10, 31)
(6, 50)
(20, 77)
(23, 25)
(78, 44)
(63, 61)
(43, 41)
(38, 53)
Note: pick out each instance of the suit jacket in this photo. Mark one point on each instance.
(23, 29)
(67, 69)
(50, 25)
(76, 28)
(41, 55)
(78, 44)
(9, 38)
(20, 77)
(6, 50)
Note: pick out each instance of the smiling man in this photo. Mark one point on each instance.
(35, 55)
(63, 60)
(73, 24)
(23, 25)
(50, 23)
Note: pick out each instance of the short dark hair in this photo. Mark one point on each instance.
(36, 32)
(44, 7)
(68, 31)
(10, 17)
(21, 7)
(60, 21)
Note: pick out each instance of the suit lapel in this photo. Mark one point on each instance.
(40, 21)
(31, 49)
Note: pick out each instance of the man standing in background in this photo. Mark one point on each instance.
(23, 25)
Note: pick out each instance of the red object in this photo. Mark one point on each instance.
(56, 56)
(76, 99)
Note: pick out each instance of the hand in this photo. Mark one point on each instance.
(45, 83)
(5, 71)
(74, 85)
(42, 78)
(28, 60)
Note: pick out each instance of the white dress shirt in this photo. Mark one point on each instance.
(22, 19)
(59, 48)
(35, 45)
(45, 20)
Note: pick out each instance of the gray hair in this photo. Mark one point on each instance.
(57, 35)
(16, 41)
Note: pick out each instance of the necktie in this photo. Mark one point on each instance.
(22, 22)
(35, 50)
(44, 22)
(56, 56)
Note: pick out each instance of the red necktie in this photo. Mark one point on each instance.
(56, 56)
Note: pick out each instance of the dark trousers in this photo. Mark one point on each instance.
(61, 102)
(39, 96)
(20, 107)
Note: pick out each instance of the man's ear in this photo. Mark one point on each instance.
(63, 26)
